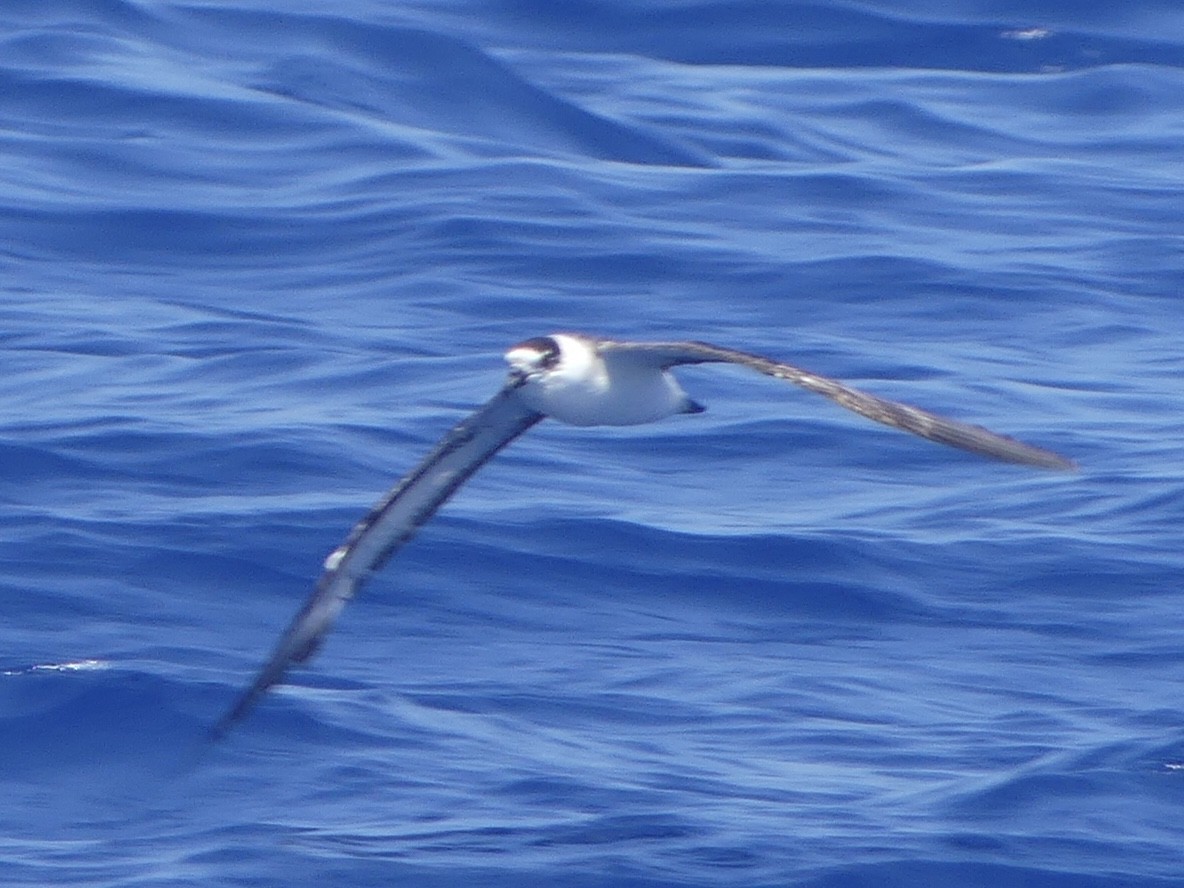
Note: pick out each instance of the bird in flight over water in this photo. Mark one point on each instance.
(583, 381)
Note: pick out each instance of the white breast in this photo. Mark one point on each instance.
(585, 389)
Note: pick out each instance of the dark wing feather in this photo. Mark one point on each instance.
(392, 521)
(974, 438)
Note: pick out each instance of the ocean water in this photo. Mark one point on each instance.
(256, 257)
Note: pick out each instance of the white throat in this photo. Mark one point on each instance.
(581, 387)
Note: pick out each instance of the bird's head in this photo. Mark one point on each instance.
(533, 358)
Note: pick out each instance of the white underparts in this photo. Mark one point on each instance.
(585, 389)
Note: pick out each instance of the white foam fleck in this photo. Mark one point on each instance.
(73, 666)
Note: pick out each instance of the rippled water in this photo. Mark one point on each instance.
(256, 258)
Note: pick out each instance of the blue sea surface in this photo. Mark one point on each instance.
(256, 257)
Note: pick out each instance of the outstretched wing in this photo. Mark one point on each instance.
(392, 521)
(974, 438)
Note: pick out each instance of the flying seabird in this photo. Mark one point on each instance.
(583, 381)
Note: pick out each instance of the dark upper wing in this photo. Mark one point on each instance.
(901, 416)
(392, 521)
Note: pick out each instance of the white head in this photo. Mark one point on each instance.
(567, 377)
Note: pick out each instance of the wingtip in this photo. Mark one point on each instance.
(219, 729)
(242, 706)
(1050, 460)
(217, 732)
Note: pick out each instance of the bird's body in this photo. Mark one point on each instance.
(582, 381)
(569, 379)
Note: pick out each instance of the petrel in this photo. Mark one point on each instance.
(584, 381)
